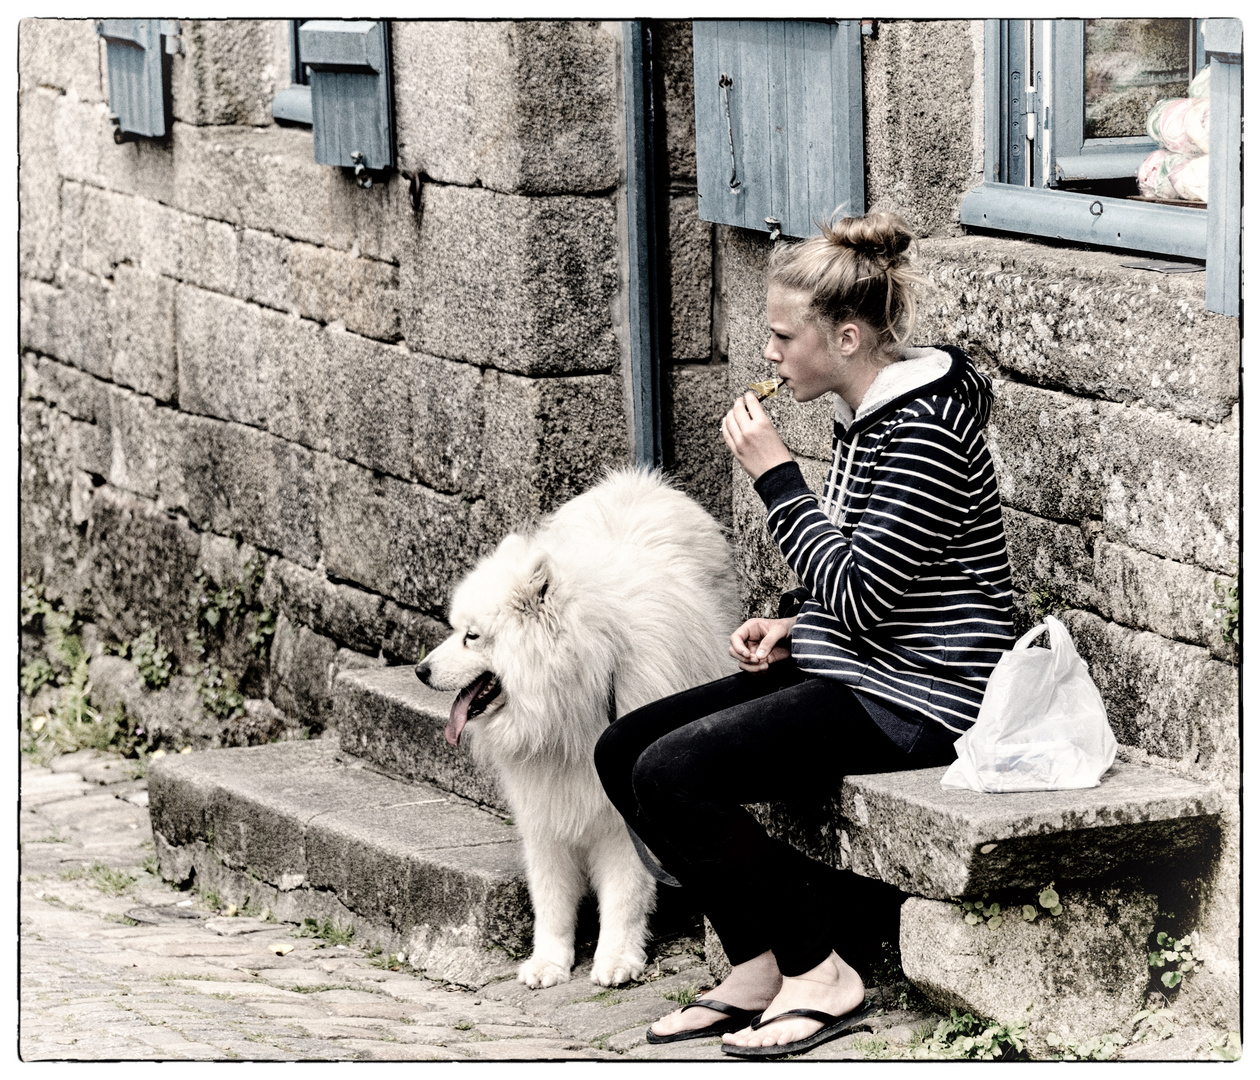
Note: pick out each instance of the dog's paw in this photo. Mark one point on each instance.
(615, 970)
(538, 971)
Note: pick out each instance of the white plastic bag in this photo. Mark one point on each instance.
(1042, 724)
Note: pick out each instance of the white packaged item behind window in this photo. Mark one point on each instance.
(1042, 724)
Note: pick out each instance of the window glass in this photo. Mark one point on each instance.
(1129, 65)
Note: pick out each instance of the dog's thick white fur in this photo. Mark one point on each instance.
(625, 593)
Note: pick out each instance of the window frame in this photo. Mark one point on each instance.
(293, 102)
(1028, 203)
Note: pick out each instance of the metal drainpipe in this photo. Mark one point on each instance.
(643, 231)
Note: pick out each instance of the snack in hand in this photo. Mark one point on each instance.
(767, 388)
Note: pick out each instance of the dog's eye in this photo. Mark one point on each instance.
(470, 636)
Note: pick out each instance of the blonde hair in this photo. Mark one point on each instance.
(858, 268)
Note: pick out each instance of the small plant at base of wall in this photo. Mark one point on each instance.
(1098, 1048)
(966, 1037)
(1180, 955)
(329, 932)
(35, 675)
(263, 631)
(221, 615)
(153, 663)
(70, 722)
(218, 693)
(1043, 599)
(212, 604)
(1227, 1046)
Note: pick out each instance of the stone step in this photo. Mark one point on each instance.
(311, 832)
(903, 828)
(942, 843)
(390, 718)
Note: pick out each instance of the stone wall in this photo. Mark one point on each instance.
(695, 394)
(225, 343)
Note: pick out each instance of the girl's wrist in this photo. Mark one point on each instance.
(780, 481)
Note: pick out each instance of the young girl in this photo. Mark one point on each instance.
(906, 609)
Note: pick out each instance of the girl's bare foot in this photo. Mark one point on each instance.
(751, 985)
(832, 987)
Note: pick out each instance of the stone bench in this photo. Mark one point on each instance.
(1078, 975)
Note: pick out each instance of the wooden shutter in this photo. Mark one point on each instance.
(133, 59)
(778, 122)
(350, 93)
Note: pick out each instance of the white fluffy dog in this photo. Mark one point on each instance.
(624, 595)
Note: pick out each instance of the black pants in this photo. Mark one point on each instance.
(681, 770)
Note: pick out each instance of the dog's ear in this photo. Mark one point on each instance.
(533, 592)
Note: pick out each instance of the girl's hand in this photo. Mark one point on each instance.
(751, 436)
(761, 642)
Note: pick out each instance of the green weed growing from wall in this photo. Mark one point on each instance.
(1227, 607)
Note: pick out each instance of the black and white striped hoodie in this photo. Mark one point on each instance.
(904, 558)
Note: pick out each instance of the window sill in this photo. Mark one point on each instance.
(1065, 215)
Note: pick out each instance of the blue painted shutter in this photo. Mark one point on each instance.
(350, 93)
(133, 60)
(778, 121)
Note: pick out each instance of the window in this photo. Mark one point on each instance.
(778, 122)
(1066, 102)
(293, 103)
(1112, 71)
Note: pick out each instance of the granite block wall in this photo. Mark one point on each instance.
(225, 343)
(1115, 436)
(695, 390)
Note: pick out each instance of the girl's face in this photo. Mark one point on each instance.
(798, 348)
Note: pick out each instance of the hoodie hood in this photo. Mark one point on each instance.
(923, 372)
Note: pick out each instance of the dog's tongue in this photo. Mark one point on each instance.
(459, 710)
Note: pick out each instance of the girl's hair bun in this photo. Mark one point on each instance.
(880, 236)
(857, 267)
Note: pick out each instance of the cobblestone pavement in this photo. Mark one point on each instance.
(117, 964)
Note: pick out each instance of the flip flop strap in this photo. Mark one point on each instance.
(716, 1006)
(826, 1019)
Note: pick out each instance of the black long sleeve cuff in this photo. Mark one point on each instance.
(780, 482)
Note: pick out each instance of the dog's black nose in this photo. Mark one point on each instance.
(423, 671)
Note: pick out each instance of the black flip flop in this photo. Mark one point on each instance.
(736, 1020)
(833, 1027)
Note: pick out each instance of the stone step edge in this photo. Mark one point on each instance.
(433, 954)
(483, 944)
(390, 719)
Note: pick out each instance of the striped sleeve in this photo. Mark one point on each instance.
(920, 496)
